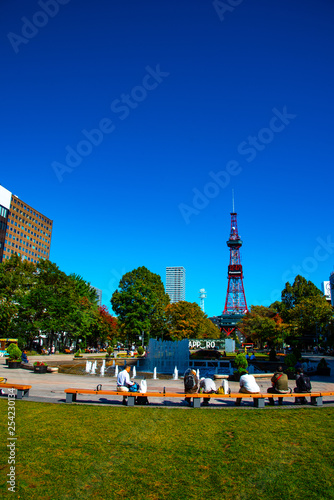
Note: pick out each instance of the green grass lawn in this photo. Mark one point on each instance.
(86, 451)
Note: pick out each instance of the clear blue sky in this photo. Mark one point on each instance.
(191, 103)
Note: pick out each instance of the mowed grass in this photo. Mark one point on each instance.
(86, 451)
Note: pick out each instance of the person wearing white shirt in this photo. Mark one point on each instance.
(207, 386)
(124, 382)
(248, 385)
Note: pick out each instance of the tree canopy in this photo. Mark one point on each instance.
(305, 309)
(300, 289)
(263, 325)
(303, 315)
(41, 299)
(140, 303)
(186, 320)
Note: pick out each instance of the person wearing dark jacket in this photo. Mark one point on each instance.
(190, 383)
(303, 384)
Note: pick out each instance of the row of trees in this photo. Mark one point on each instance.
(303, 316)
(42, 300)
(143, 306)
(37, 300)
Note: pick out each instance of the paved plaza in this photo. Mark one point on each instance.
(49, 387)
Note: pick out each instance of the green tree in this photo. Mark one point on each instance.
(40, 298)
(263, 325)
(17, 278)
(305, 310)
(186, 320)
(51, 301)
(299, 290)
(105, 327)
(310, 317)
(140, 303)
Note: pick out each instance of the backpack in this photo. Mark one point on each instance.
(305, 383)
(134, 387)
(189, 382)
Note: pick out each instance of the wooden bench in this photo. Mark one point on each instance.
(21, 390)
(258, 399)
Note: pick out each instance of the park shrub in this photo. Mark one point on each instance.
(140, 351)
(290, 360)
(240, 362)
(110, 350)
(14, 352)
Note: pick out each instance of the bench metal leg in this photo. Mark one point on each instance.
(19, 394)
(316, 400)
(258, 402)
(196, 402)
(70, 397)
(131, 400)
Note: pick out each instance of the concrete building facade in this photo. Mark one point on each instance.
(331, 281)
(23, 230)
(176, 283)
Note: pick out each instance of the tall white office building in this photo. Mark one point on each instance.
(176, 283)
(326, 290)
(331, 284)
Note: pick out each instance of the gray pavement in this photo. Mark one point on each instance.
(50, 387)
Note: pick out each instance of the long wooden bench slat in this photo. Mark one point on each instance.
(236, 395)
(15, 386)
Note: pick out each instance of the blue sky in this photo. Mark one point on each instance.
(129, 124)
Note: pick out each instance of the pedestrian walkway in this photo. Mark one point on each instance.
(49, 387)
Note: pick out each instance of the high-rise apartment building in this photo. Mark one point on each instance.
(326, 290)
(331, 284)
(23, 230)
(176, 283)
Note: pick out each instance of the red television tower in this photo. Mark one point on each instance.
(235, 303)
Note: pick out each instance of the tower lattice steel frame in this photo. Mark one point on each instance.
(235, 303)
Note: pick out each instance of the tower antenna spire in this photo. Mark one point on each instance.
(233, 201)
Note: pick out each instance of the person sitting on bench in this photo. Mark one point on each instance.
(124, 382)
(190, 383)
(303, 384)
(248, 385)
(207, 386)
(279, 385)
